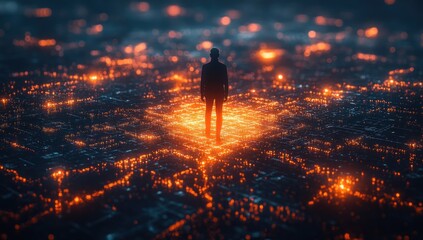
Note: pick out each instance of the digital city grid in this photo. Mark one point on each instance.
(103, 135)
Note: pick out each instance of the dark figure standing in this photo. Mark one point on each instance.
(214, 87)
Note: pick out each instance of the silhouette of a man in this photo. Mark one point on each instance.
(214, 88)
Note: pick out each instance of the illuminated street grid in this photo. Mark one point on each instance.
(102, 127)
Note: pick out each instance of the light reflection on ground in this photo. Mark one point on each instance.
(242, 122)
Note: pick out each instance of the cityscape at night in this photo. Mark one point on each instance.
(102, 128)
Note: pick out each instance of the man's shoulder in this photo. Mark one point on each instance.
(221, 65)
(206, 65)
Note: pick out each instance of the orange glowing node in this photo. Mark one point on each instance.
(326, 91)
(254, 27)
(347, 236)
(318, 47)
(42, 12)
(320, 20)
(98, 28)
(225, 20)
(371, 32)
(140, 47)
(174, 59)
(93, 78)
(321, 46)
(50, 105)
(267, 54)
(58, 175)
(280, 76)
(366, 57)
(389, 2)
(174, 10)
(70, 101)
(128, 49)
(270, 54)
(205, 45)
(46, 42)
(312, 34)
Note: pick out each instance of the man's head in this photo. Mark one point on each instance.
(214, 53)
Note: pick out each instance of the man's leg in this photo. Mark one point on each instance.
(219, 108)
(209, 107)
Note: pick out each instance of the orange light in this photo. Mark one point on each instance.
(270, 54)
(366, 57)
(42, 12)
(280, 76)
(318, 47)
(389, 2)
(225, 20)
(320, 20)
(174, 59)
(347, 236)
(58, 175)
(140, 47)
(174, 10)
(98, 28)
(312, 34)
(93, 78)
(70, 101)
(186, 122)
(254, 27)
(50, 105)
(178, 78)
(267, 54)
(128, 49)
(205, 45)
(46, 42)
(79, 143)
(124, 61)
(371, 32)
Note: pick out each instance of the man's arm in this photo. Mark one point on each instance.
(225, 82)
(202, 84)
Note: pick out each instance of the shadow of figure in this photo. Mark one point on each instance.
(214, 88)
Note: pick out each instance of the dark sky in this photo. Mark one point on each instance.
(123, 21)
